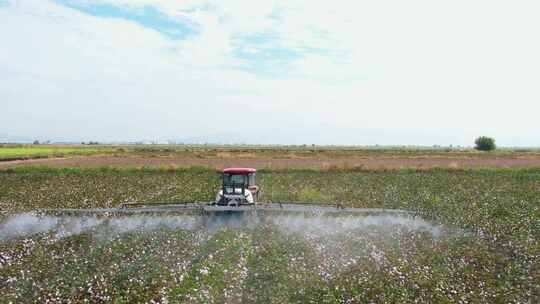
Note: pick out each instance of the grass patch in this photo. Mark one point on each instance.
(36, 151)
(11, 151)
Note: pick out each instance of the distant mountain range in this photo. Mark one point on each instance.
(290, 137)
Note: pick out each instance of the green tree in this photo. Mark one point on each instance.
(484, 143)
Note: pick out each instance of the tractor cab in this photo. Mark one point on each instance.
(238, 187)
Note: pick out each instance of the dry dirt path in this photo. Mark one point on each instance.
(367, 162)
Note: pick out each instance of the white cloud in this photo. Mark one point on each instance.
(419, 72)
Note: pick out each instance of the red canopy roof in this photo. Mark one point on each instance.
(239, 170)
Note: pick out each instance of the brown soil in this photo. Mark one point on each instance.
(220, 161)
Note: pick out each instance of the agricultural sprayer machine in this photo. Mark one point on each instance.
(238, 197)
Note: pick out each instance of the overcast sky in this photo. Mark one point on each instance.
(327, 72)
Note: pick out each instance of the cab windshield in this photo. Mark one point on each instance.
(236, 179)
